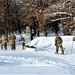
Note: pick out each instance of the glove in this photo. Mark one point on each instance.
(19, 40)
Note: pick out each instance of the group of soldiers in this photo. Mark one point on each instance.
(58, 43)
(11, 40)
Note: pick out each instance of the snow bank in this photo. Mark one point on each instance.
(41, 42)
(48, 42)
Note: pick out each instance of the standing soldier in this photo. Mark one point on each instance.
(72, 44)
(3, 42)
(58, 43)
(22, 41)
(12, 39)
(73, 38)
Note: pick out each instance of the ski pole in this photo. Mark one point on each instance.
(72, 47)
(65, 51)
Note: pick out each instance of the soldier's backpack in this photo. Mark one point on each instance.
(59, 40)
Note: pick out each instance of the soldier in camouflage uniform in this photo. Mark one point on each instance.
(58, 43)
(22, 41)
(12, 39)
(3, 42)
(73, 38)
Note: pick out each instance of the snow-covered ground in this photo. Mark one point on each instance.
(42, 61)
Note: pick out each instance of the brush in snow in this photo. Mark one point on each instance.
(31, 48)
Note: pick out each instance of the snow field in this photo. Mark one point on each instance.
(40, 61)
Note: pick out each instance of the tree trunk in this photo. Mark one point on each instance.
(38, 33)
(45, 32)
(31, 35)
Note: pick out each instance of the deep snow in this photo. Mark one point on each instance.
(42, 61)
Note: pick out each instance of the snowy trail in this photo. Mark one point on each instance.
(34, 64)
(40, 62)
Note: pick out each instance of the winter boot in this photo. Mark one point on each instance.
(62, 53)
(56, 52)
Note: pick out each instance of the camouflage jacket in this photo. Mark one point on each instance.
(74, 39)
(12, 38)
(3, 40)
(58, 40)
(22, 39)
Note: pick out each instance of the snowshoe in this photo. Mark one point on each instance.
(56, 52)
